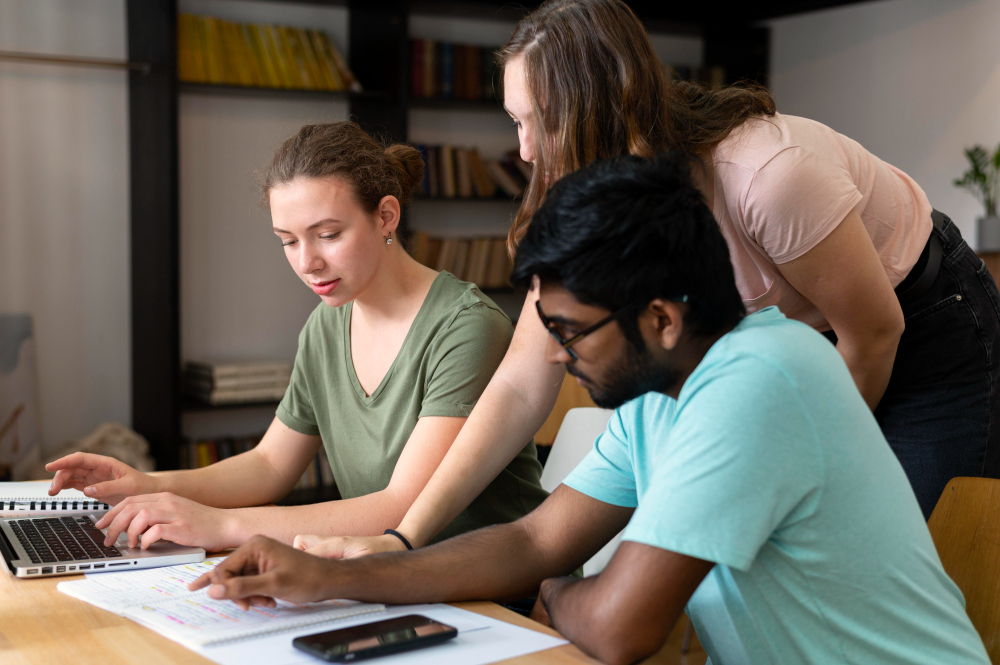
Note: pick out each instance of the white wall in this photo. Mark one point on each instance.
(64, 208)
(914, 81)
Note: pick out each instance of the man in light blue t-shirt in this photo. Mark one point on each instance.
(755, 484)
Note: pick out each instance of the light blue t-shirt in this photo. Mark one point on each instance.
(771, 465)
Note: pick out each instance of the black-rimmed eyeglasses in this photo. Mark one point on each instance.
(553, 328)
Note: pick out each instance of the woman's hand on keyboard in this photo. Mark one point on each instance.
(165, 516)
(99, 477)
(341, 547)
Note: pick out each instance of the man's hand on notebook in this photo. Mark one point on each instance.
(263, 570)
(150, 517)
(347, 547)
(99, 477)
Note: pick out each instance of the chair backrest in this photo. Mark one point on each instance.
(577, 433)
(579, 429)
(965, 526)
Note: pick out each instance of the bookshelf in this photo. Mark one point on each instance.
(378, 34)
(276, 93)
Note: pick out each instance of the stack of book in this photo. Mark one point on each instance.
(452, 172)
(210, 50)
(482, 261)
(452, 71)
(237, 382)
(197, 453)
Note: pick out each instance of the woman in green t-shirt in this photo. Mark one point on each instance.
(389, 366)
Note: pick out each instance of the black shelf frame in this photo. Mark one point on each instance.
(379, 38)
(247, 91)
(452, 104)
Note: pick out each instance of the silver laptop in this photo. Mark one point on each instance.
(72, 544)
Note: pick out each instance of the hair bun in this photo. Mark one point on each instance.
(408, 164)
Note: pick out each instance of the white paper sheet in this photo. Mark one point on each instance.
(480, 640)
(159, 598)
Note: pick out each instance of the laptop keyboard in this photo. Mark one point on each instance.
(55, 539)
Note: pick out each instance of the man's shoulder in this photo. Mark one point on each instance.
(769, 338)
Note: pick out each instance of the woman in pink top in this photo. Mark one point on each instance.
(816, 226)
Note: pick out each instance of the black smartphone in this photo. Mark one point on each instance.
(375, 639)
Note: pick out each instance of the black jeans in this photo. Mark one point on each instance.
(941, 410)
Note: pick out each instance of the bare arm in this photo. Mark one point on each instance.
(624, 614)
(619, 616)
(365, 515)
(514, 405)
(844, 278)
(504, 561)
(150, 517)
(262, 475)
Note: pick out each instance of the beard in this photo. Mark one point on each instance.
(635, 375)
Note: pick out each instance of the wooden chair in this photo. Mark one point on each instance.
(965, 526)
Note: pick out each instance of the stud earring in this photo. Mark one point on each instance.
(388, 238)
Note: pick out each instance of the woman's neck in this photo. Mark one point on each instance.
(399, 288)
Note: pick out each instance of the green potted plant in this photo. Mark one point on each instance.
(983, 181)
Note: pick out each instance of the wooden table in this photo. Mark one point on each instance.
(39, 625)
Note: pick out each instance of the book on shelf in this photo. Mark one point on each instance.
(236, 382)
(240, 369)
(440, 70)
(196, 453)
(463, 173)
(453, 172)
(483, 261)
(210, 50)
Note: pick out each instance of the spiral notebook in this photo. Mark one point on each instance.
(32, 499)
(159, 599)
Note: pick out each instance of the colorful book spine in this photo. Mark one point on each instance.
(451, 71)
(482, 260)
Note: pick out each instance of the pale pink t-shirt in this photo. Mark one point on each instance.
(783, 183)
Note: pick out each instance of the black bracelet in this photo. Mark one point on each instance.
(393, 532)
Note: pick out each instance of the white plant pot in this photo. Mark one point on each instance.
(988, 234)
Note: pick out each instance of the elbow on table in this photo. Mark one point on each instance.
(629, 639)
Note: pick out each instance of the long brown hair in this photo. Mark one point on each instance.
(343, 149)
(598, 90)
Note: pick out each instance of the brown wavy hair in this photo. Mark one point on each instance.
(373, 169)
(598, 90)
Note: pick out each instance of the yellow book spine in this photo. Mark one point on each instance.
(322, 65)
(265, 61)
(239, 74)
(288, 60)
(350, 82)
(311, 64)
(250, 67)
(273, 43)
(325, 47)
(213, 65)
(198, 45)
(299, 58)
(184, 56)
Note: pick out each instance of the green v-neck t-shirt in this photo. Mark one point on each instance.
(449, 355)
